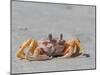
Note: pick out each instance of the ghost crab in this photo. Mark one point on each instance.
(48, 48)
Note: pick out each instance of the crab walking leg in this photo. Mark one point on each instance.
(74, 46)
(75, 43)
(71, 47)
(38, 56)
(32, 46)
(75, 49)
(31, 49)
(20, 53)
(26, 43)
(68, 53)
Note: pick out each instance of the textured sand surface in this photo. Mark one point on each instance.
(36, 20)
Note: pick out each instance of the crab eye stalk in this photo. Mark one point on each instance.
(61, 36)
(61, 41)
(50, 37)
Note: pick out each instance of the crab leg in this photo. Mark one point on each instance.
(38, 56)
(20, 53)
